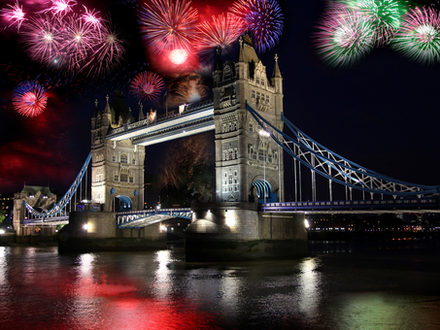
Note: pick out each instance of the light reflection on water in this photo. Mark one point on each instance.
(156, 290)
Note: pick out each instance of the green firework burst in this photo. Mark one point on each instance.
(385, 16)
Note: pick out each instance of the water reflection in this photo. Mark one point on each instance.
(309, 287)
(156, 290)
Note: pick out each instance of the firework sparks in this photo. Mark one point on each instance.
(92, 17)
(344, 36)
(263, 18)
(29, 99)
(14, 14)
(220, 31)
(419, 35)
(43, 39)
(384, 15)
(60, 7)
(147, 86)
(169, 25)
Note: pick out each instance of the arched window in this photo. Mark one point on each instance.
(124, 159)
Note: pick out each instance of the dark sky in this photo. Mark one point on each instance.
(381, 112)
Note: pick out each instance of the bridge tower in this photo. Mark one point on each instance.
(117, 166)
(248, 163)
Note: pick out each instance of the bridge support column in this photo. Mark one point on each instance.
(237, 231)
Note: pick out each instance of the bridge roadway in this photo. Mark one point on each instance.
(419, 205)
(197, 118)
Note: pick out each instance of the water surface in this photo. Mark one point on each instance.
(40, 289)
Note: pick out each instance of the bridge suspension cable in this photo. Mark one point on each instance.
(71, 192)
(334, 167)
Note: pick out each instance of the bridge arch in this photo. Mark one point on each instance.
(123, 203)
(264, 191)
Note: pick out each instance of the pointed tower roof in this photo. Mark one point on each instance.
(276, 69)
(107, 105)
(141, 111)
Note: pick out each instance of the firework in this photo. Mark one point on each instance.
(43, 38)
(14, 15)
(419, 35)
(29, 99)
(147, 86)
(384, 15)
(344, 36)
(220, 31)
(60, 7)
(92, 17)
(169, 24)
(263, 18)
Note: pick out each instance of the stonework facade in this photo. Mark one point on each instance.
(117, 166)
(242, 154)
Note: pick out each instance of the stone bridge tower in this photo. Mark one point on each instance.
(244, 158)
(117, 166)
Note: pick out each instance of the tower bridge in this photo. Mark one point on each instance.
(252, 137)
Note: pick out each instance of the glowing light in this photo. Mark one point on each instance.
(86, 227)
(344, 36)
(231, 219)
(306, 224)
(263, 133)
(169, 24)
(14, 14)
(2, 231)
(419, 35)
(162, 228)
(29, 99)
(178, 56)
(263, 18)
(147, 85)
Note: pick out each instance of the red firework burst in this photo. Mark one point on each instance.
(29, 99)
(220, 31)
(168, 24)
(147, 86)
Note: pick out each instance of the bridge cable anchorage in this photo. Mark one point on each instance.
(334, 167)
(58, 207)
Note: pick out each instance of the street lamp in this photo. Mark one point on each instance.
(264, 134)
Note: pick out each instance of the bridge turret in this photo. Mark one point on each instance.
(243, 156)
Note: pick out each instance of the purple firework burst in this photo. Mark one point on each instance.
(147, 86)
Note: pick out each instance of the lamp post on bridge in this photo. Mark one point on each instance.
(264, 135)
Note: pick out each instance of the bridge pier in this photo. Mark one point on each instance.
(97, 231)
(237, 231)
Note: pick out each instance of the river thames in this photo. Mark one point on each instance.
(41, 289)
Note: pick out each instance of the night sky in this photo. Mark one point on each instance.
(381, 112)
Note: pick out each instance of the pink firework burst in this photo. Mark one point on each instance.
(106, 52)
(92, 17)
(43, 38)
(147, 86)
(169, 24)
(60, 7)
(220, 31)
(29, 99)
(14, 14)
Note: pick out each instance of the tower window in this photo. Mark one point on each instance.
(113, 158)
(133, 161)
(124, 178)
(115, 178)
(131, 179)
(124, 159)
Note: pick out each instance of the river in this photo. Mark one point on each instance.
(40, 289)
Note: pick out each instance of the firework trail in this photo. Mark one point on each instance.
(147, 86)
(344, 36)
(29, 99)
(220, 31)
(384, 15)
(419, 36)
(14, 14)
(169, 24)
(263, 18)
